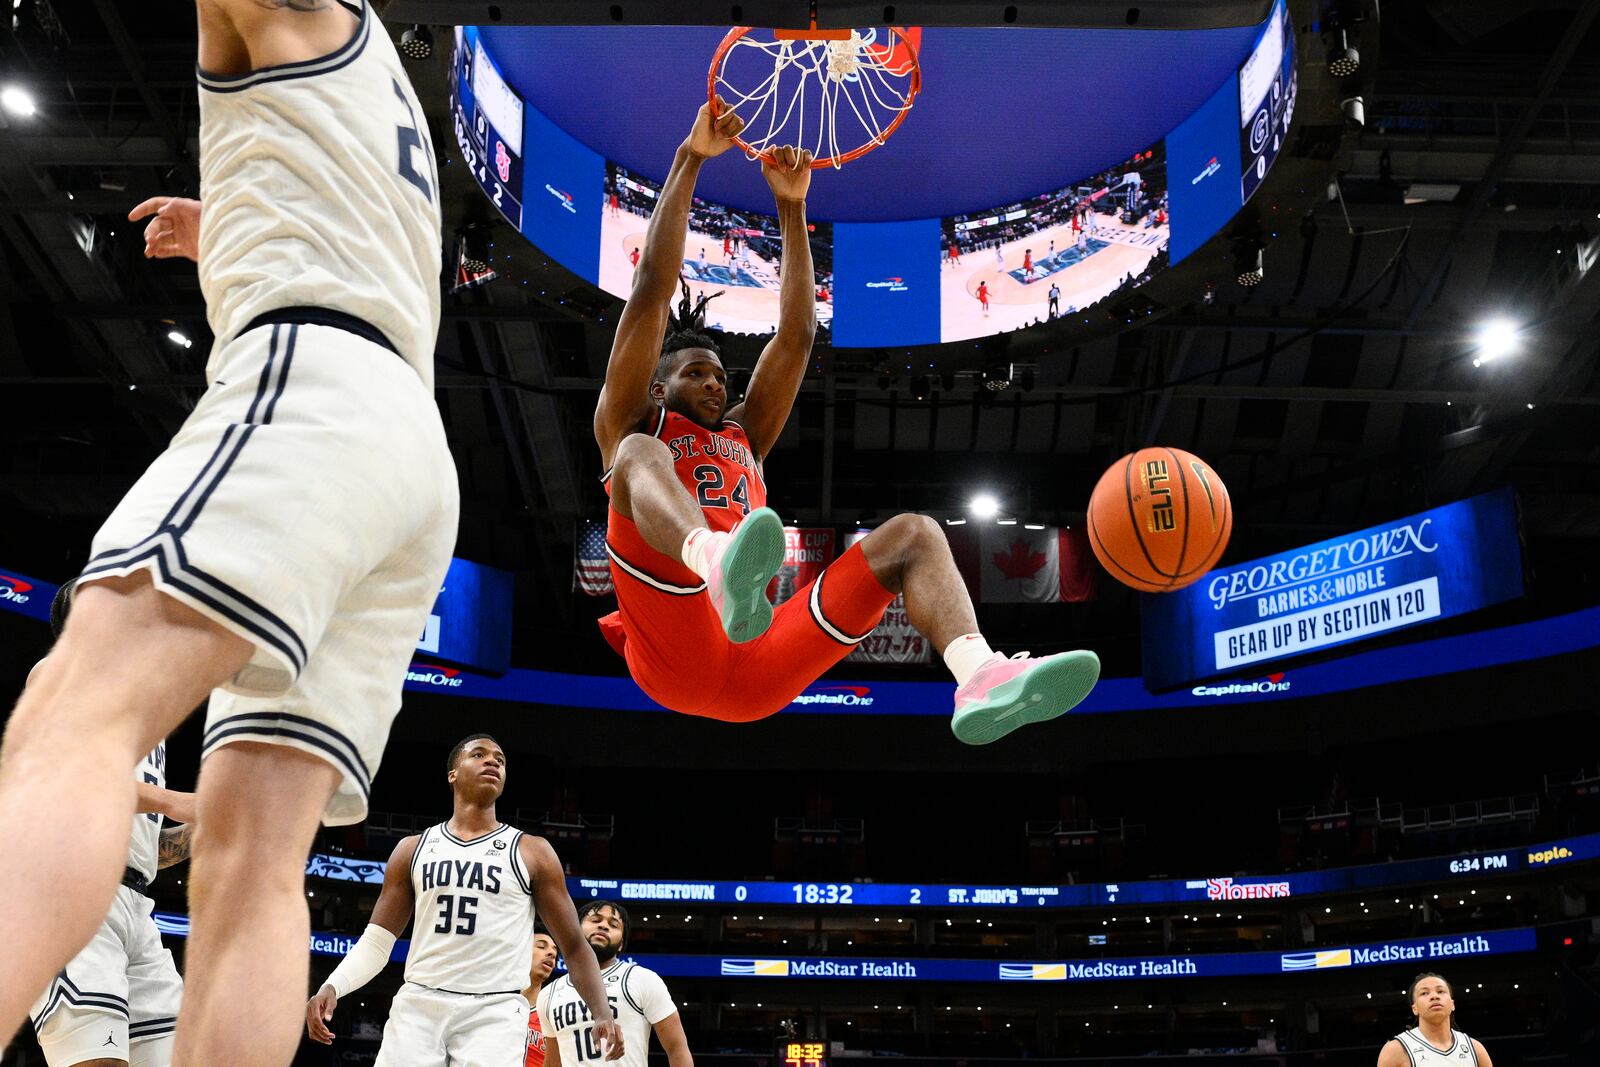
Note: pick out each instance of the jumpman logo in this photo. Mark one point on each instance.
(111, 1039)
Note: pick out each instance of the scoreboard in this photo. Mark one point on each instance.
(803, 1053)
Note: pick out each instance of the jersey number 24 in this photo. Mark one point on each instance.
(708, 483)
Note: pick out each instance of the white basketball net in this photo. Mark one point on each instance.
(810, 84)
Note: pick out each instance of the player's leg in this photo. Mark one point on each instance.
(155, 992)
(131, 664)
(910, 554)
(493, 1032)
(260, 806)
(420, 1021)
(82, 1016)
(736, 566)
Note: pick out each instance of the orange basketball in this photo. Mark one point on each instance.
(1159, 519)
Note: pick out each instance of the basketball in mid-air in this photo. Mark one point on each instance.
(1159, 519)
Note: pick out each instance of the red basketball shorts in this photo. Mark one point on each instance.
(679, 655)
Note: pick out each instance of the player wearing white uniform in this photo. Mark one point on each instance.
(638, 998)
(287, 546)
(116, 1002)
(470, 885)
(1434, 1041)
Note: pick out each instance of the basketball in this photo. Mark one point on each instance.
(1159, 519)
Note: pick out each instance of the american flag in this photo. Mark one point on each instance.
(591, 571)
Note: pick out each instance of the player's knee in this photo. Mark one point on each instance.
(638, 449)
(916, 534)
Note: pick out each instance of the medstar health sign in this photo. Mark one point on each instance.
(1434, 565)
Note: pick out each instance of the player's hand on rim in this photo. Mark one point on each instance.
(319, 1009)
(173, 229)
(788, 172)
(608, 1035)
(713, 136)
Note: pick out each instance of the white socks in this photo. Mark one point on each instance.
(697, 551)
(965, 655)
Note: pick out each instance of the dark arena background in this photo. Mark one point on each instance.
(1366, 297)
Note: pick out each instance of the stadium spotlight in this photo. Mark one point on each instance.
(179, 338)
(995, 377)
(416, 42)
(1496, 338)
(18, 101)
(1355, 111)
(984, 506)
(1249, 264)
(1343, 60)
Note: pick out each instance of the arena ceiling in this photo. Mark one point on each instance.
(1339, 392)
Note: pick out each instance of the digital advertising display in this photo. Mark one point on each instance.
(488, 118)
(1267, 88)
(1433, 565)
(1413, 952)
(471, 620)
(1022, 264)
(731, 256)
(1216, 889)
(894, 281)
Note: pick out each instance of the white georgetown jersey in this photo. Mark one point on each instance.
(145, 844)
(1461, 1052)
(473, 928)
(320, 189)
(639, 999)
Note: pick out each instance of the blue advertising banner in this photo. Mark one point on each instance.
(1412, 951)
(26, 596)
(1202, 158)
(886, 283)
(471, 620)
(1219, 889)
(1433, 565)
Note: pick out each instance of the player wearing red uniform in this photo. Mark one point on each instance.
(983, 296)
(692, 545)
(544, 962)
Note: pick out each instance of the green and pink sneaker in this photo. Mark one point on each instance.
(1007, 693)
(742, 562)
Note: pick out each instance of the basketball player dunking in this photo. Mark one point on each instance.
(544, 964)
(692, 547)
(286, 547)
(1434, 1041)
(116, 1002)
(639, 999)
(468, 886)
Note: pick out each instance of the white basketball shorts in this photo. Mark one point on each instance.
(432, 1028)
(118, 998)
(308, 504)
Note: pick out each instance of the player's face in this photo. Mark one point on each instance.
(1432, 1000)
(698, 388)
(544, 957)
(481, 766)
(602, 928)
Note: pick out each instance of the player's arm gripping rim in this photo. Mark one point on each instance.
(625, 396)
(396, 903)
(776, 380)
(561, 919)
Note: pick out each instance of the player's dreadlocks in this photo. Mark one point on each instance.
(686, 329)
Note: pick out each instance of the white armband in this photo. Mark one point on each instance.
(363, 962)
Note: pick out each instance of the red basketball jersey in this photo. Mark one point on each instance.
(716, 466)
(534, 1057)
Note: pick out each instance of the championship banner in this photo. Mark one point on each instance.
(807, 551)
(1432, 565)
(894, 639)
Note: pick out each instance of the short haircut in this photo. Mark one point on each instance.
(461, 745)
(678, 341)
(622, 913)
(1411, 992)
(60, 606)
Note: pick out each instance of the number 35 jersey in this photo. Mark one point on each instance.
(639, 999)
(320, 189)
(473, 927)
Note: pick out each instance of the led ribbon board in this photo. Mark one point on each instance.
(1247, 617)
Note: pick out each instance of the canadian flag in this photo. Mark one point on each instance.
(1016, 564)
